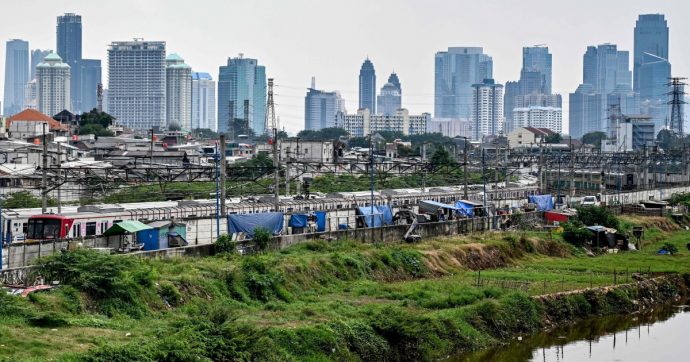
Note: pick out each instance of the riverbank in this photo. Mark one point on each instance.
(324, 301)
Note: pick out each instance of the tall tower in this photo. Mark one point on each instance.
(52, 85)
(37, 56)
(651, 37)
(203, 101)
(487, 108)
(367, 86)
(677, 101)
(178, 93)
(242, 92)
(16, 75)
(538, 59)
(456, 70)
(69, 37)
(136, 83)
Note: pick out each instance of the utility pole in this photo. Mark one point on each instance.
(223, 175)
(677, 94)
(464, 168)
(216, 159)
(484, 178)
(572, 169)
(371, 178)
(44, 173)
(271, 124)
(59, 166)
(539, 169)
(151, 159)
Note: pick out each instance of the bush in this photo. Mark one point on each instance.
(224, 245)
(597, 215)
(262, 237)
(575, 233)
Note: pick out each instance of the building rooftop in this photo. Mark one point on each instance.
(36, 116)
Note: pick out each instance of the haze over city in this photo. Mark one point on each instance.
(296, 40)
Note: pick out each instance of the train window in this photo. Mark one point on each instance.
(77, 230)
(90, 228)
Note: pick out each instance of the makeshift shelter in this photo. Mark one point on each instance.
(170, 234)
(299, 222)
(543, 202)
(468, 208)
(603, 236)
(375, 216)
(439, 211)
(142, 234)
(248, 223)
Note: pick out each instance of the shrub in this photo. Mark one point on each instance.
(670, 248)
(170, 293)
(224, 245)
(597, 215)
(262, 237)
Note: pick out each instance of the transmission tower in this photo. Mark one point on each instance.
(271, 129)
(677, 92)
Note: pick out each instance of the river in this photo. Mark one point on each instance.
(659, 335)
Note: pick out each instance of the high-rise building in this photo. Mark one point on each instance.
(178, 92)
(37, 56)
(364, 123)
(16, 75)
(86, 73)
(586, 111)
(539, 117)
(487, 109)
(52, 85)
(651, 37)
(203, 101)
(605, 67)
(321, 107)
(88, 77)
(389, 100)
(136, 83)
(367, 86)
(394, 80)
(69, 37)
(242, 94)
(538, 59)
(456, 70)
(31, 95)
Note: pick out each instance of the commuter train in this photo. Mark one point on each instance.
(199, 215)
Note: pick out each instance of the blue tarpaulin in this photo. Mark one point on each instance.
(543, 202)
(247, 223)
(376, 216)
(298, 221)
(465, 208)
(320, 221)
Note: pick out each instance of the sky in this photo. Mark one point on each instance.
(298, 39)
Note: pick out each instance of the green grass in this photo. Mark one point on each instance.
(314, 301)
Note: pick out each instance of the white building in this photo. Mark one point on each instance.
(527, 136)
(450, 127)
(136, 83)
(31, 94)
(364, 123)
(487, 109)
(539, 117)
(52, 85)
(321, 107)
(178, 92)
(203, 102)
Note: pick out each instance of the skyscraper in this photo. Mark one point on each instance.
(89, 73)
(52, 85)
(456, 70)
(651, 37)
(367, 86)
(321, 107)
(86, 73)
(388, 101)
(538, 59)
(136, 83)
(37, 56)
(178, 92)
(394, 80)
(69, 37)
(16, 75)
(487, 108)
(605, 67)
(203, 101)
(242, 94)
(586, 111)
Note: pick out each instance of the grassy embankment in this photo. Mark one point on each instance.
(316, 301)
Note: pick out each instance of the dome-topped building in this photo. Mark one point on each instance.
(52, 85)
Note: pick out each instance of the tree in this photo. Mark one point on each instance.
(441, 157)
(95, 123)
(330, 133)
(404, 151)
(24, 199)
(594, 138)
(553, 138)
(358, 142)
(95, 129)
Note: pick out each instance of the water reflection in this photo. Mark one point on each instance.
(660, 335)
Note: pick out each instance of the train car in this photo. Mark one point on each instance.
(48, 227)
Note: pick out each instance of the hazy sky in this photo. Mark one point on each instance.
(297, 39)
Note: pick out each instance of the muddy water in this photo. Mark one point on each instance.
(660, 335)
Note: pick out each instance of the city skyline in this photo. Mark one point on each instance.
(408, 51)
